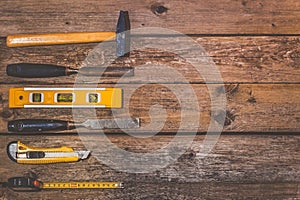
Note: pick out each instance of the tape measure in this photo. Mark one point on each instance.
(28, 184)
(65, 98)
(82, 185)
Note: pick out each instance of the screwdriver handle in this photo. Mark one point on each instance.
(37, 125)
(30, 70)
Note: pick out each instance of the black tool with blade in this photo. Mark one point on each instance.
(40, 125)
(32, 70)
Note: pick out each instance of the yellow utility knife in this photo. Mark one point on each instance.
(21, 153)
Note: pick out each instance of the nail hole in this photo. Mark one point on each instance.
(251, 100)
(273, 25)
(67, 23)
(143, 24)
(244, 2)
(192, 155)
(21, 97)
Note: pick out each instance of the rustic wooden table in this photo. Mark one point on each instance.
(254, 44)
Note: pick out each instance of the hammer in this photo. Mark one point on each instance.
(122, 37)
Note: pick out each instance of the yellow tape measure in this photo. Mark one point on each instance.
(65, 98)
(82, 185)
(28, 184)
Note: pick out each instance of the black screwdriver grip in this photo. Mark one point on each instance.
(37, 125)
(31, 70)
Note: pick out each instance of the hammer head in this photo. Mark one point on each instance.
(123, 34)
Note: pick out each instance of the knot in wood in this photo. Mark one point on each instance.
(220, 115)
(158, 9)
(6, 113)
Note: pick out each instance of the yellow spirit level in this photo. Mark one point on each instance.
(65, 98)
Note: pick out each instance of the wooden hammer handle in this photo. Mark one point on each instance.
(57, 38)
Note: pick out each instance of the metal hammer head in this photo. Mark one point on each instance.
(123, 34)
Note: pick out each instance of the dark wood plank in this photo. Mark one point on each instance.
(239, 59)
(250, 107)
(171, 190)
(249, 166)
(189, 17)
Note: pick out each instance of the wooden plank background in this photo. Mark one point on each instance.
(239, 59)
(250, 108)
(266, 165)
(254, 44)
(189, 17)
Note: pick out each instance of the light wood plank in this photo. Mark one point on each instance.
(189, 16)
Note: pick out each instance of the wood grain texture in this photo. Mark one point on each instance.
(170, 190)
(250, 107)
(239, 60)
(191, 17)
(57, 38)
(239, 167)
(254, 44)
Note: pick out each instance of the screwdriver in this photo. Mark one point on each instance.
(39, 125)
(32, 70)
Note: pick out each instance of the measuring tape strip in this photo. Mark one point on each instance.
(28, 184)
(82, 185)
(65, 97)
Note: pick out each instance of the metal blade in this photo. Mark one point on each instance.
(107, 72)
(122, 123)
(80, 154)
(123, 34)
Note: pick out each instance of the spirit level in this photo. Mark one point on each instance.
(28, 184)
(65, 98)
(21, 153)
